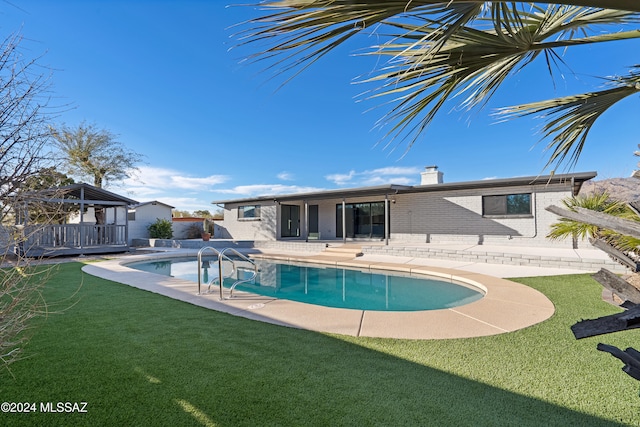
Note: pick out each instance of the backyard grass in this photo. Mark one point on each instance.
(140, 359)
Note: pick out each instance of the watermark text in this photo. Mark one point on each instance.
(50, 407)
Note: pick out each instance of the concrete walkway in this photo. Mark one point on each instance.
(507, 306)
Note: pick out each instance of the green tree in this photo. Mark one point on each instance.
(203, 213)
(95, 154)
(45, 212)
(458, 51)
(176, 213)
(218, 214)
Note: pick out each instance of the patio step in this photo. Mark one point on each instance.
(496, 256)
(344, 250)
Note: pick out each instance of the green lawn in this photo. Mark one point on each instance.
(139, 359)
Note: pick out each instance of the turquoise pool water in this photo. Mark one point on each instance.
(331, 287)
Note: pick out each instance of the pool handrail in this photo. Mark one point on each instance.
(245, 280)
(200, 264)
(221, 257)
(200, 252)
(231, 273)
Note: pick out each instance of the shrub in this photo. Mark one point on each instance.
(194, 231)
(161, 229)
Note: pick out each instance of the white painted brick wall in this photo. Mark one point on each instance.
(456, 217)
(249, 229)
(436, 217)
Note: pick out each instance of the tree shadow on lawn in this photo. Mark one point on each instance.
(137, 358)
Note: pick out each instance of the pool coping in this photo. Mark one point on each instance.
(507, 306)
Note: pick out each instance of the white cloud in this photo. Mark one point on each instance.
(141, 191)
(341, 179)
(191, 183)
(151, 180)
(285, 176)
(267, 190)
(394, 171)
(373, 181)
(380, 176)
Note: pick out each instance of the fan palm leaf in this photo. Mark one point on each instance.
(600, 202)
(472, 62)
(569, 119)
(439, 51)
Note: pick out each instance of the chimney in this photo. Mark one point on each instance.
(430, 176)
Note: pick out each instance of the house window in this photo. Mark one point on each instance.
(507, 205)
(249, 212)
(131, 215)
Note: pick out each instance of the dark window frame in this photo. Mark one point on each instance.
(507, 205)
(244, 209)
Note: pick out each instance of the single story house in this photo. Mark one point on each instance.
(493, 211)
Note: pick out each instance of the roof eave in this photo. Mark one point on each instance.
(575, 179)
(318, 195)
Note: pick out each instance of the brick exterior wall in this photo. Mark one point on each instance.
(456, 217)
(451, 216)
(263, 228)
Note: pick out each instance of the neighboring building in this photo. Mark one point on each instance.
(498, 211)
(142, 215)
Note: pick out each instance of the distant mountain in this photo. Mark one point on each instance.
(625, 189)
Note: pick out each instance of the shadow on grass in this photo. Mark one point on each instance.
(137, 358)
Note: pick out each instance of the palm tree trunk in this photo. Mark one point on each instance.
(599, 219)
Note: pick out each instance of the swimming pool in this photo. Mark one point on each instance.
(331, 286)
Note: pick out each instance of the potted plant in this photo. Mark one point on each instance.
(206, 230)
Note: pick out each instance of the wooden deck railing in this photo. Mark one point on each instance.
(76, 235)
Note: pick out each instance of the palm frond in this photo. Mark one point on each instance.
(621, 242)
(472, 63)
(439, 51)
(571, 118)
(600, 202)
(306, 29)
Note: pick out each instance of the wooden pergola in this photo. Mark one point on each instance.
(87, 236)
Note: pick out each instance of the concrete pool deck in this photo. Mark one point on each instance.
(506, 307)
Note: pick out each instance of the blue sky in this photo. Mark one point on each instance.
(160, 75)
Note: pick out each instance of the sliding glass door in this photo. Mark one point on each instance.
(363, 220)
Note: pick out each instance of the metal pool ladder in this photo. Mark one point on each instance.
(234, 269)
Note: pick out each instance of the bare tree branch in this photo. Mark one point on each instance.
(24, 136)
